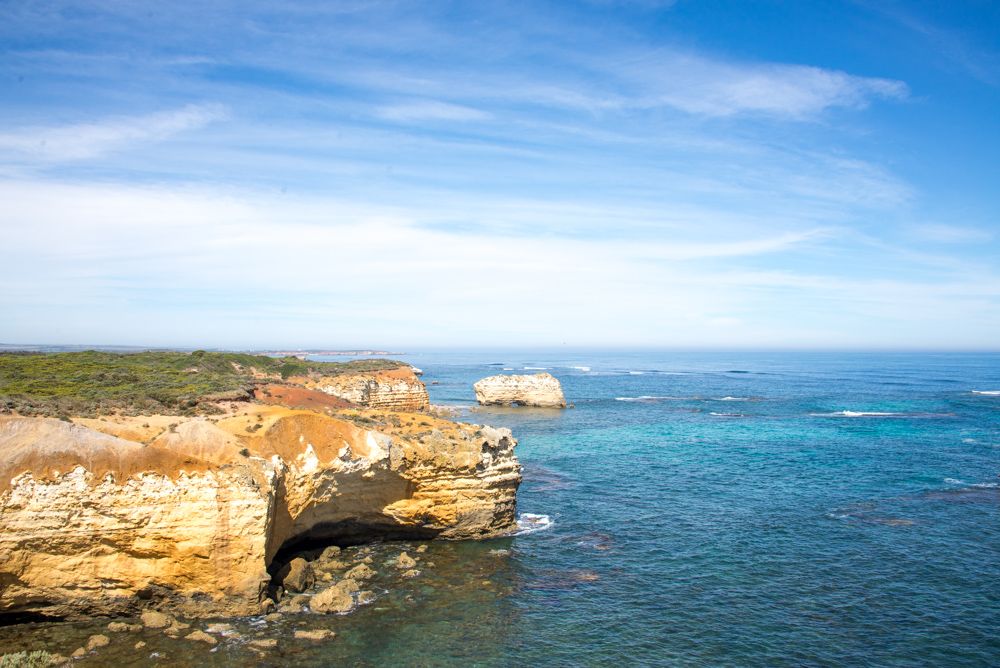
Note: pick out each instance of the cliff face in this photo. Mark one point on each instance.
(394, 389)
(541, 390)
(192, 520)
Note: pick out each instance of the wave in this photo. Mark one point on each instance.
(536, 368)
(581, 368)
(531, 523)
(729, 415)
(987, 393)
(880, 414)
(973, 485)
(636, 373)
(733, 399)
(508, 368)
(645, 398)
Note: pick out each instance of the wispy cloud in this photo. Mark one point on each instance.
(429, 110)
(952, 234)
(81, 141)
(699, 85)
(346, 266)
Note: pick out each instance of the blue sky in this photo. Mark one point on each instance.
(689, 174)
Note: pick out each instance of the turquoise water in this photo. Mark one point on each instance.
(767, 529)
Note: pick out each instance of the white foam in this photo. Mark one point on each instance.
(987, 393)
(508, 368)
(727, 414)
(648, 398)
(976, 485)
(532, 523)
(536, 368)
(858, 414)
(581, 368)
(636, 373)
(733, 399)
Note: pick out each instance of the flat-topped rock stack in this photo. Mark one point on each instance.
(540, 390)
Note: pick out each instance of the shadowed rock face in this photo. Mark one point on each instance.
(192, 520)
(541, 390)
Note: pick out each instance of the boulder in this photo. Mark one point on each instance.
(201, 636)
(338, 598)
(153, 619)
(314, 634)
(541, 390)
(405, 561)
(297, 575)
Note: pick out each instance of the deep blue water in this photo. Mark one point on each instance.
(774, 529)
(769, 529)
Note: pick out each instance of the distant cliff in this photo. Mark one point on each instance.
(392, 389)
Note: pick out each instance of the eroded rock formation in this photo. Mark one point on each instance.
(394, 389)
(541, 390)
(118, 514)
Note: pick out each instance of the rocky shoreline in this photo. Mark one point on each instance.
(256, 509)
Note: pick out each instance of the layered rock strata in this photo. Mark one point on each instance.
(394, 389)
(191, 517)
(540, 390)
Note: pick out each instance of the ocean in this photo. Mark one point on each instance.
(698, 509)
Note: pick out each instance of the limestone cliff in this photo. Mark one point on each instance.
(192, 518)
(393, 389)
(541, 390)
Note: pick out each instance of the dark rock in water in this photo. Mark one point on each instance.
(297, 575)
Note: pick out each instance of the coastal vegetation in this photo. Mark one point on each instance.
(93, 383)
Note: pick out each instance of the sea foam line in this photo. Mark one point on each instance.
(987, 393)
(879, 414)
(648, 398)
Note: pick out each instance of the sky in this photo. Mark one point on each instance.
(694, 174)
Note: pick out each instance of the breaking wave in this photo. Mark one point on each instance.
(645, 398)
(531, 523)
(880, 414)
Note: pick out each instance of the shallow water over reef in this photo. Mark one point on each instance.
(705, 509)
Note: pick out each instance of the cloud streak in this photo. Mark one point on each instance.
(83, 141)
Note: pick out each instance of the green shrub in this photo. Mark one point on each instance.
(93, 382)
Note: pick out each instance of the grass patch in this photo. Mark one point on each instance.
(95, 383)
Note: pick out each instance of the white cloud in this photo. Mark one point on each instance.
(54, 144)
(191, 266)
(429, 110)
(700, 85)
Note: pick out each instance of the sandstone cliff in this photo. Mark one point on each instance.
(541, 390)
(393, 389)
(117, 514)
